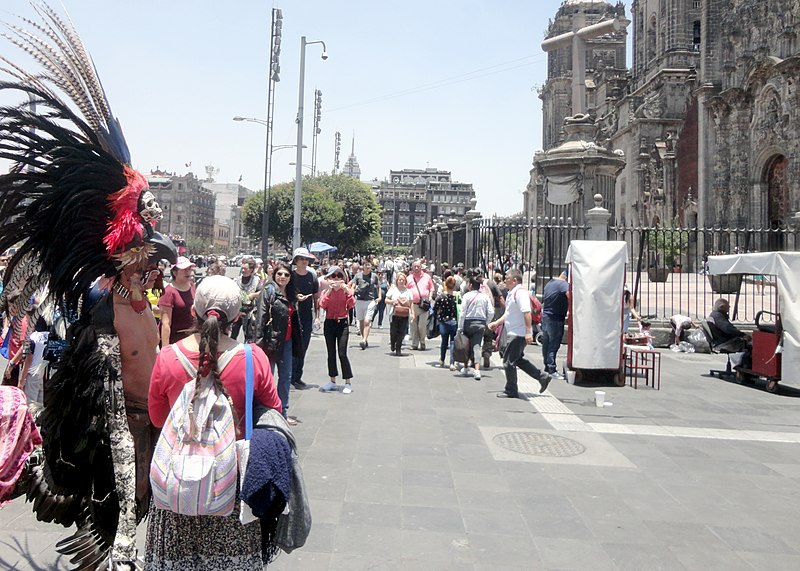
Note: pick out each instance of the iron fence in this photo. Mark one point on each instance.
(666, 270)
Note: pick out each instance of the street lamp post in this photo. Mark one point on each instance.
(267, 185)
(298, 182)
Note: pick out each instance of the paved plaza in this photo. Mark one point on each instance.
(420, 468)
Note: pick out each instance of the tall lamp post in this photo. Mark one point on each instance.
(298, 182)
(267, 184)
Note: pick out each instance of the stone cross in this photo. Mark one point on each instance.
(578, 37)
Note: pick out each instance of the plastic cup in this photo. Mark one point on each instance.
(600, 398)
(571, 377)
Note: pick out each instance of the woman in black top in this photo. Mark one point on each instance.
(445, 308)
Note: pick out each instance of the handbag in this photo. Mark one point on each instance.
(433, 325)
(461, 348)
(424, 302)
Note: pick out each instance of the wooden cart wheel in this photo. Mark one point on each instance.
(619, 379)
(772, 386)
(578, 376)
(744, 378)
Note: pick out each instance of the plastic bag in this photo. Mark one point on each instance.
(698, 340)
(682, 347)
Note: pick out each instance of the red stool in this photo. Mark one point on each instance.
(644, 361)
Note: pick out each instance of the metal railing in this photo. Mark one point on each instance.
(666, 270)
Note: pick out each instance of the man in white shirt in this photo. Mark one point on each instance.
(519, 329)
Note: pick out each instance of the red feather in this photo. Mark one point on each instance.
(125, 224)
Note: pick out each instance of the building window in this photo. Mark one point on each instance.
(696, 35)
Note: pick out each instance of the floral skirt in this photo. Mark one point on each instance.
(201, 543)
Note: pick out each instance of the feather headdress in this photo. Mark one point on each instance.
(71, 195)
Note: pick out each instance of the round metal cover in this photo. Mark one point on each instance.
(535, 444)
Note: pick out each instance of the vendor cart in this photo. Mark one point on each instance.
(596, 286)
(776, 345)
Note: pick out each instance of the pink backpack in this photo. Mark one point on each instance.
(194, 468)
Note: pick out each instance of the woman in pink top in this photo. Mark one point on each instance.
(178, 541)
(337, 302)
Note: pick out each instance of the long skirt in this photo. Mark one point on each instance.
(201, 543)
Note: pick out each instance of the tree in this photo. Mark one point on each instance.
(361, 214)
(336, 209)
(321, 215)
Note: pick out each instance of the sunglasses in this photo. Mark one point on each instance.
(284, 274)
(338, 276)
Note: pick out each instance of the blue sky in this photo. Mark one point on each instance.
(439, 83)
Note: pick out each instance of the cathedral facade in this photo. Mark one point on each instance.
(707, 116)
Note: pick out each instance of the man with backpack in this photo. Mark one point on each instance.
(368, 294)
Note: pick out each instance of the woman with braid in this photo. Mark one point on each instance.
(190, 543)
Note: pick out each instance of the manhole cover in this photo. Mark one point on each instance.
(535, 444)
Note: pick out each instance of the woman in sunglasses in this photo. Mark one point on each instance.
(279, 330)
(337, 302)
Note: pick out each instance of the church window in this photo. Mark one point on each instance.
(696, 35)
(651, 39)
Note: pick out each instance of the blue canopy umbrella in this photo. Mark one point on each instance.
(321, 248)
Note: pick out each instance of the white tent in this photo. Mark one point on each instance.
(597, 276)
(786, 267)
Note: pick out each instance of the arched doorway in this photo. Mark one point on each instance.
(777, 199)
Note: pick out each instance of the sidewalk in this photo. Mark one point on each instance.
(420, 468)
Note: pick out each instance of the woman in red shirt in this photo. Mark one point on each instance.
(337, 301)
(174, 539)
(176, 303)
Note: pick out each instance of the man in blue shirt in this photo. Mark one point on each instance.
(555, 304)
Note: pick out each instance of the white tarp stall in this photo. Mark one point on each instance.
(597, 277)
(785, 266)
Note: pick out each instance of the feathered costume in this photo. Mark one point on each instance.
(81, 213)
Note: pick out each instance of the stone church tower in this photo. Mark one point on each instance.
(708, 116)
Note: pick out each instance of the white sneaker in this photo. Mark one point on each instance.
(477, 375)
(348, 388)
(328, 387)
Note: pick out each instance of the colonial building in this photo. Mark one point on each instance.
(412, 198)
(706, 118)
(188, 207)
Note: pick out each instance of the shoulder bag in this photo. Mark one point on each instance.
(424, 302)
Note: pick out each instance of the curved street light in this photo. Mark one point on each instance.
(298, 179)
(267, 183)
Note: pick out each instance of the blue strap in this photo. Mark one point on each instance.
(248, 391)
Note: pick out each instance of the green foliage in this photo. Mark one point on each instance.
(197, 245)
(665, 246)
(336, 209)
(361, 214)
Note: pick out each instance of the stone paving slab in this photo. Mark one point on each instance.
(403, 473)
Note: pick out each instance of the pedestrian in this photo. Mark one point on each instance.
(446, 313)
(337, 303)
(555, 304)
(250, 287)
(306, 286)
(176, 541)
(380, 308)
(629, 308)
(400, 300)
(367, 291)
(279, 332)
(477, 308)
(421, 286)
(517, 324)
(176, 303)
